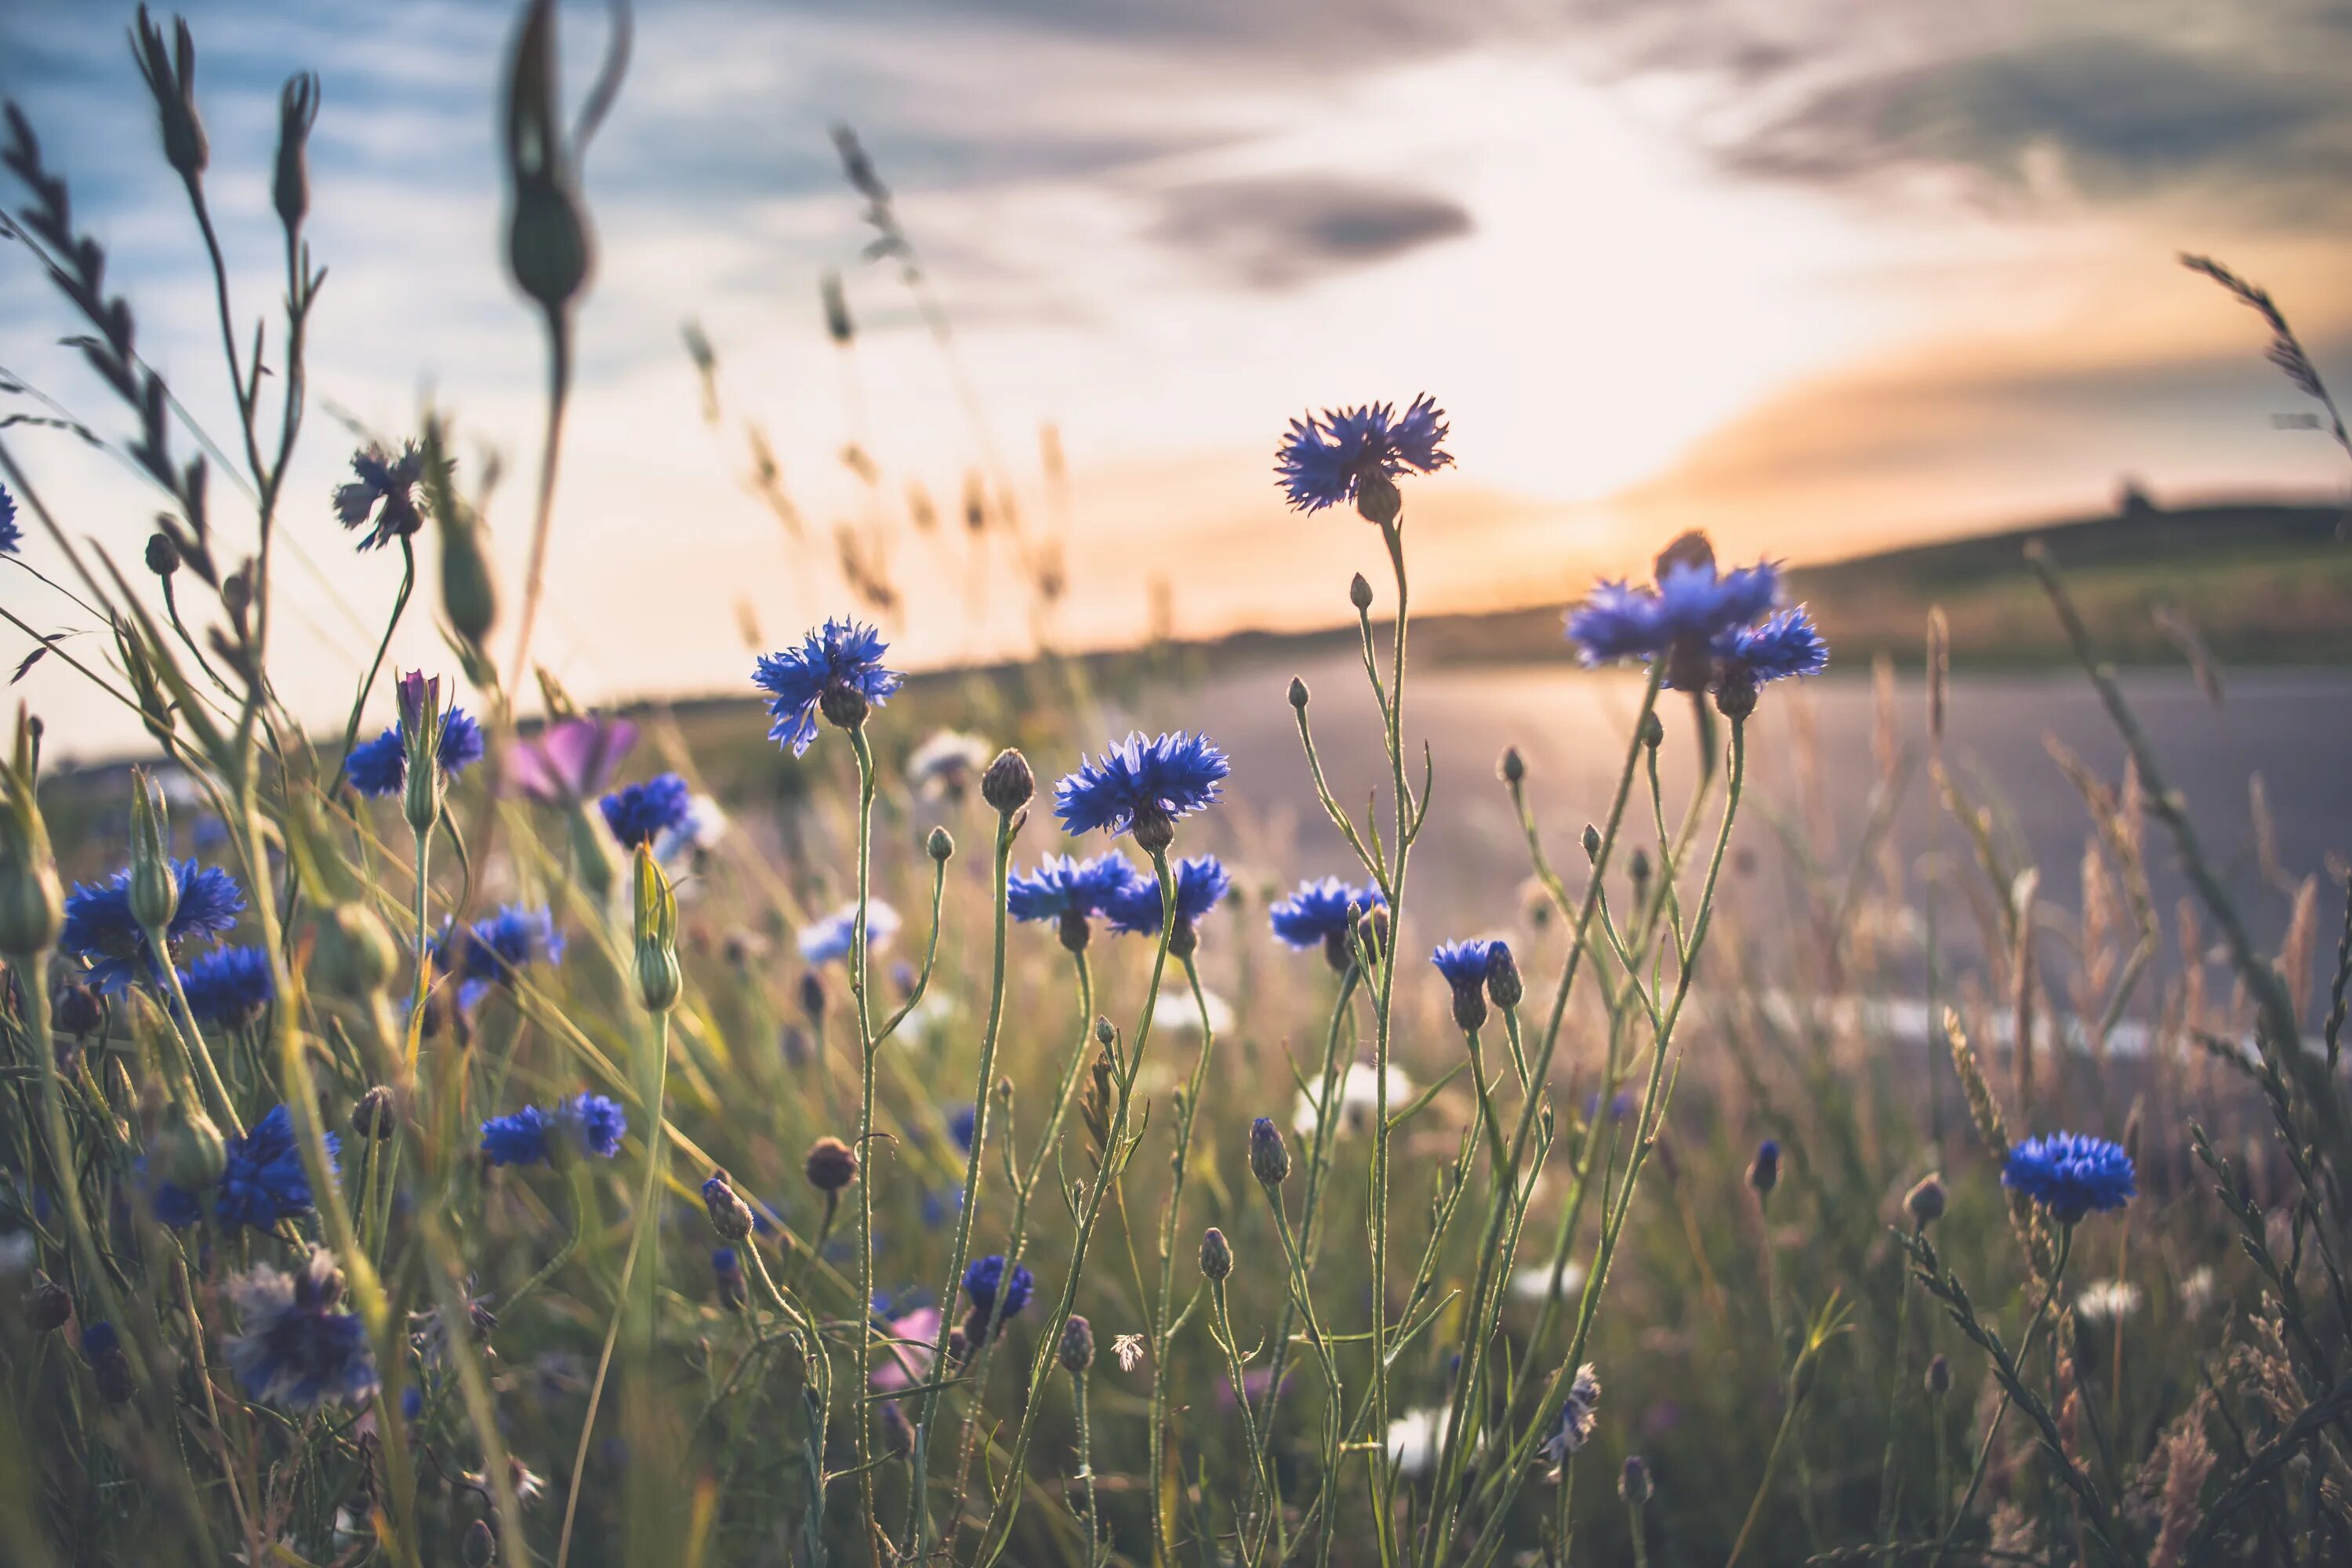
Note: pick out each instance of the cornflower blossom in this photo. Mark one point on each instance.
(945, 765)
(384, 491)
(585, 1123)
(1579, 1413)
(2069, 1174)
(1143, 787)
(1062, 888)
(1322, 914)
(1358, 1099)
(264, 1180)
(836, 670)
(99, 925)
(499, 946)
(1325, 459)
(296, 1350)
(985, 1281)
(12, 538)
(640, 813)
(906, 1356)
(2109, 1300)
(1691, 616)
(828, 940)
(1201, 882)
(571, 760)
(229, 987)
(1466, 965)
(378, 768)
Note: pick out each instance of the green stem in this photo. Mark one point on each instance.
(867, 1524)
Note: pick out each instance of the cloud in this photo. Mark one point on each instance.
(1279, 232)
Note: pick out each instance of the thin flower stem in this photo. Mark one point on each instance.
(575, 1188)
(1260, 1484)
(1170, 1222)
(868, 1525)
(1992, 1427)
(367, 683)
(1894, 1382)
(1086, 1469)
(192, 1039)
(917, 1531)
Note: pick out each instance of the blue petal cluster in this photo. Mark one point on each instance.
(2071, 1174)
(1201, 882)
(986, 1277)
(1319, 910)
(265, 1180)
(10, 536)
(641, 813)
(1691, 604)
(380, 767)
(585, 1123)
(961, 1122)
(1324, 458)
(384, 491)
(298, 1351)
(1785, 644)
(229, 987)
(828, 940)
(1464, 963)
(98, 927)
(494, 947)
(1062, 885)
(1169, 777)
(843, 655)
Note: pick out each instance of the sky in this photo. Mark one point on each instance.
(1817, 276)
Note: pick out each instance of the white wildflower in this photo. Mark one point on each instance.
(1129, 1348)
(1358, 1099)
(945, 766)
(1534, 1284)
(2110, 1300)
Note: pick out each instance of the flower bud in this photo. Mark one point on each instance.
(1269, 1158)
(154, 881)
(1359, 592)
(191, 1154)
(1504, 986)
(1653, 731)
(940, 846)
(1078, 1347)
(79, 1011)
(1634, 1482)
(481, 1547)
(171, 77)
(1764, 1173)
(1940, 1376)
(373, 1116)
(298, 111)
(163, 554)
(832, 1164)
(1216, 1256)
(1925, 1203)
(1008, 785)
(1591, 842)
(659, 981)
(1297, 693)
(1513, 767)
(813, 993)
(48, 1305)
(31, 899)
(837, 324)
(353, 953)
(469, 597)
(731, 1217)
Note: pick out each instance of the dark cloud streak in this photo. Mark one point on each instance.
(1277, 233)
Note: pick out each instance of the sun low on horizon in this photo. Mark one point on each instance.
(1816, 282)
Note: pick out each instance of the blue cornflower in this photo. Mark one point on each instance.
(297, 1350)
(1062, 886)
(98, 1339)
(585, 1123)
(174, 1206)
(828, 940)
(1467, 966)
(836, 670)
(1680, 616)
(494, 947)
(961, 1121)
(10, 536)
(380, 767)
(385, 490)
(1786, 643)
(265, 1180)
(229, 987)
(641, 812)
(2071, 1174)
(985, 1280)
(1201, 882)
(1324, 460)
(99, 926)
(1319, 913)
(1142, 786)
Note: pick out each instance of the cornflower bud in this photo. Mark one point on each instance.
(372, 1115)
(1653, 731)
(163, 554)
(154, 881)
(1925, 1203)
(1634, 1481)
(1513, 767)
(481, 1547)
(1591, 842)
(31, 899)
(813, 993)
(1359, 592)
(170, 77)
(940, 846)
(659, 981)
(298, 111)
(1216, 1255)
(48, 1305)
(1940, 1377)
(1269, 1158)
(1078, 1347)
(192, 1154)
(1297, 693)
(832, 1164)
(353, 953)
(1504, 986)
(731, 1217)
(1007, 785)
(1764, 1173)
